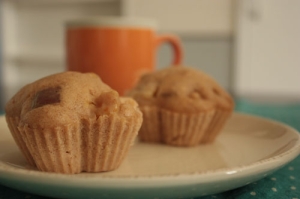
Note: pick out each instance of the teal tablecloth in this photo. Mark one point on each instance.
(283, 184)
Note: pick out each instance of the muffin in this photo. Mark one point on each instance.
(181, 106)
(72, 122)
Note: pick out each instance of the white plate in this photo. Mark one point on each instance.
(248, 149)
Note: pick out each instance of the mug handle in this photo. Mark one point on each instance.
(176, 45)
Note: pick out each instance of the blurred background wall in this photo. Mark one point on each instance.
(251, 47)
(1, 73)
(267, 49)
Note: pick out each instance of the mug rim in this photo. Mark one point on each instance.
(112, 21)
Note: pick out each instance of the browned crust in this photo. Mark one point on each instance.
(181, 89)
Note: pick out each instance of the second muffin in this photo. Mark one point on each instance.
(181, 106)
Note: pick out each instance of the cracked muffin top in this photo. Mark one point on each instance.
(181, 89)
(67, 97)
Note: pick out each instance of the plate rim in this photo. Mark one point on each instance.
(270, 164)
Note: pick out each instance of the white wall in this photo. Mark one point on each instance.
(33, 37)
(209, 18)
(268, 48)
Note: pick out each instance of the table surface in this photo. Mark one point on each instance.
(283, 184)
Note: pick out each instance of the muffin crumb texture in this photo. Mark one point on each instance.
(72, 122)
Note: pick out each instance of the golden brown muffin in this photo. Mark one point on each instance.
(72, 122)
(181, 106)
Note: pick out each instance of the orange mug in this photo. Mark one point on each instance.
(118, 49)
